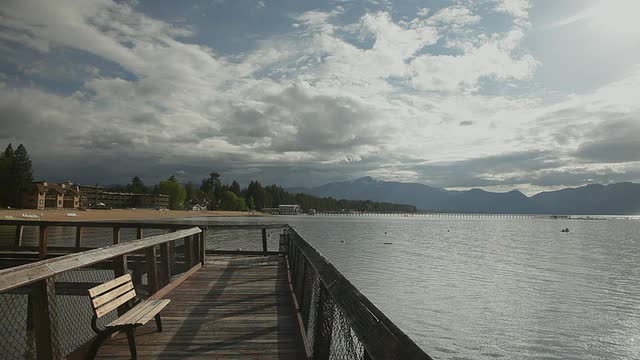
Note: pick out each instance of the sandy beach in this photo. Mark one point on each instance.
(114, 214)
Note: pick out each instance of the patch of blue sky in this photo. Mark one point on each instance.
(60, 70)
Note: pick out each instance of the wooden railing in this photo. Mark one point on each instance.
(56, 286)
(331, 309)
(336, 319)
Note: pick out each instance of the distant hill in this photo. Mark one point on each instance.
(622, 198)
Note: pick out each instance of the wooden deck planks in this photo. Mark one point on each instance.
(235, 307)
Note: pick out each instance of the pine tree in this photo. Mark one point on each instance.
(22, 176)
(235, 188)
(7, 160)
(16, 175)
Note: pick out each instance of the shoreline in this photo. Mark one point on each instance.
(115, 214)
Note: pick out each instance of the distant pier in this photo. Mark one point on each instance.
(447, 215)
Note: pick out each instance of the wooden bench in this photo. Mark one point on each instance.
(118, 292)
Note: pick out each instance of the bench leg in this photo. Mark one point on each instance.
(95, 345)
(131, 338)
(159, 322)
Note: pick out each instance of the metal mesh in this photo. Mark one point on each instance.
(72, 308)
(241, 239)
(328, 332)
(15, 341)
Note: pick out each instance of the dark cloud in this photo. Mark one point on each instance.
(612, 142)
(466, 123)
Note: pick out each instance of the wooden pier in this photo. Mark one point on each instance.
(284, 301)
(235, 307)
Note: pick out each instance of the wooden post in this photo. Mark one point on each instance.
(300, 288)
(120, 262)
(139, 233)
(282, 246)
(42, 243)
(152, 270)
(78, 236)
(18, 240)
(119, 266)
(165, 265)
(188, 252)
(31, 331)
(264, 241)
(203, 246)
(47, 343)
(196, 248)
(172, 257)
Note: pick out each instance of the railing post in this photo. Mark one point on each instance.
(203, 246)
(300, 289)
(42, 243)
(165, 265)
(120, 262)
(282, 244)
(119, 265)
(172, 257)
(264, 241)
(196, 248)
(43, 299)
(152, 270)
(164, 261)
(18, 239)
(188, 252)
(31, 331)
(78, 236)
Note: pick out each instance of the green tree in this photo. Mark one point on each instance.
(22, 174)
(16, 175)
(137, 186)
(257, 192)
(7, 160)
(212, 188)
(176, 192)
(235, 188)
(190, 192)
(231, 202)
(252, 203)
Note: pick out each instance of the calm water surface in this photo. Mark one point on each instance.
(494, 288)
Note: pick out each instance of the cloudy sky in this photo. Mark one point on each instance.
(497, 94)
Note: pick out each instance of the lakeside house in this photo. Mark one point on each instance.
(288, 209)
(44, 195)
(283, 210)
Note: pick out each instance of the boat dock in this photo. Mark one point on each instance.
(279, 300)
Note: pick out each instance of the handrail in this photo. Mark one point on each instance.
(29, 273)
(381, 338)
(159, 223)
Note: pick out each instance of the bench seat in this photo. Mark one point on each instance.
(141, 313)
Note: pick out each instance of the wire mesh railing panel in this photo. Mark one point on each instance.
(242, 239)
(16, 334)
(71, 307)
(137, 268)
(344, 343)
(309, 307)
(7, 235)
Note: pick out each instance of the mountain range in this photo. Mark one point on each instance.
(614, 199)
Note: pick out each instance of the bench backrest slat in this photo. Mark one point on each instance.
(112, 295)
(95, 291)
(108, 296)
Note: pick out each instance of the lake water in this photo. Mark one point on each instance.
(483, 288)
